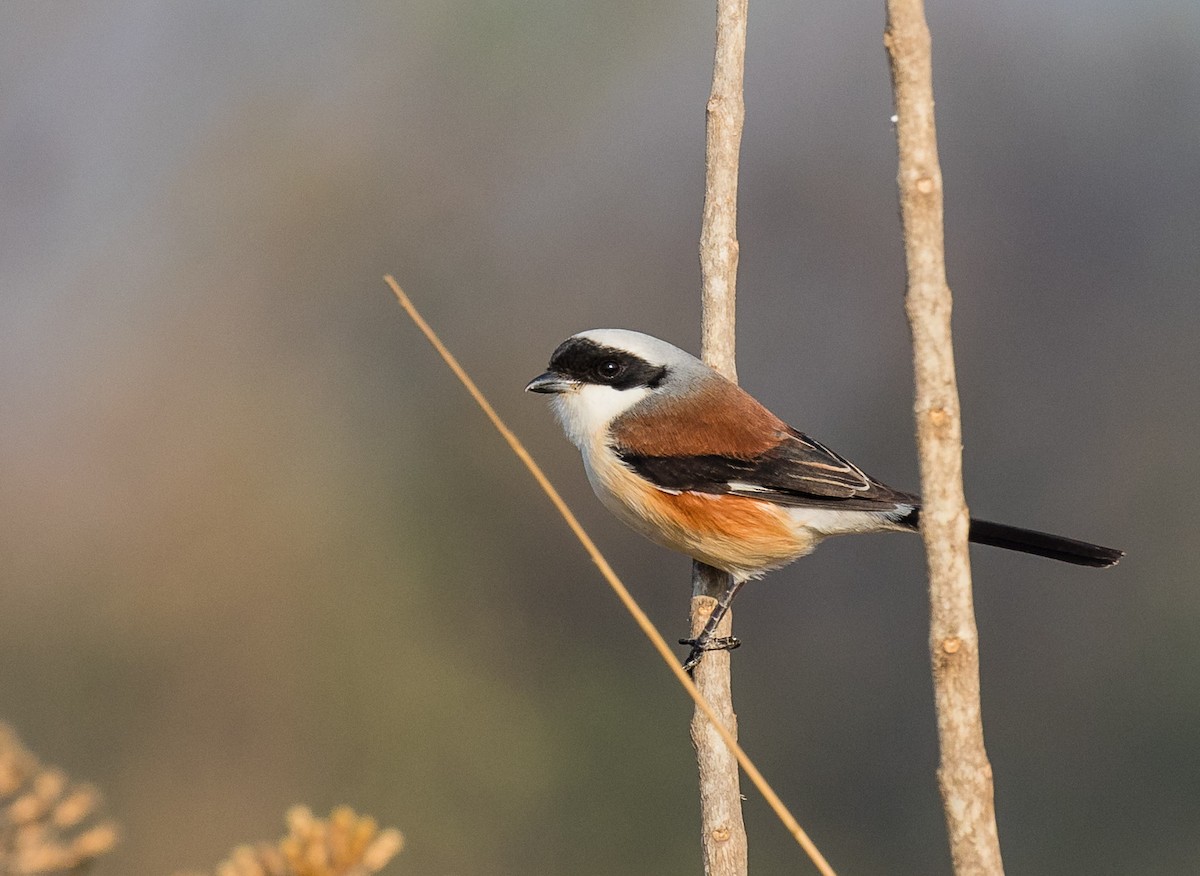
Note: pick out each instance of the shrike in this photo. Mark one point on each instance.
(696, 464)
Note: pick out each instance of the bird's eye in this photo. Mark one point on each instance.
(609, 369)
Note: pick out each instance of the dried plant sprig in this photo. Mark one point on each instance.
(345, 844)
(47, 823)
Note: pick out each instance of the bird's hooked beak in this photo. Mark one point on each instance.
(551, 383)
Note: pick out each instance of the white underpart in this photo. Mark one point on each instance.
(586, 411)
(832, 521)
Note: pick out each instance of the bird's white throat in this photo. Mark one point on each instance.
(585, 412)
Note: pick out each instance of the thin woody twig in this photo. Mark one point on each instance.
(964, 774)
(722, 829)
(725, 115)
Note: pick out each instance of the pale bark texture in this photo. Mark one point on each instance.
(723, 832)
(726, 112)
(964, 774)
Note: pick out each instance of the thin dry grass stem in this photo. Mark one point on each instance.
(345, 844)
(47, 823)
(964, 773)
(640, 618)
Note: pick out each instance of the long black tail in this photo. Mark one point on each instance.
(1029, 541)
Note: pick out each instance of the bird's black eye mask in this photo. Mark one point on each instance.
(585, 360)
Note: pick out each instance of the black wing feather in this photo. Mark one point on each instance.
(796, 472)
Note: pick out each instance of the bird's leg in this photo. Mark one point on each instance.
(706, 641)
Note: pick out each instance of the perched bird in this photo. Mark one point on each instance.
(692, 461)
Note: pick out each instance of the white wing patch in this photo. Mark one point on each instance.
(743, 487)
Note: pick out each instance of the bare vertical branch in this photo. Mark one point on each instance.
(964, 774)
(723, 832)
(726, 112)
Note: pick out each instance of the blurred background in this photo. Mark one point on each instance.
(258, 547)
